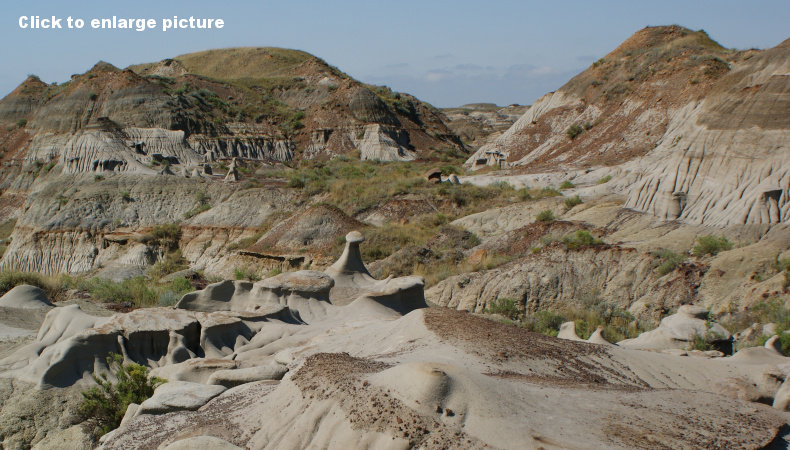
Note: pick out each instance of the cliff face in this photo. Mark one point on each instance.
(696, 132)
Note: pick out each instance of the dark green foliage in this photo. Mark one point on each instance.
(21, 123)
(711, 245)
(167, 235)
(582, 238)
(567, 185)
(668, 261)
(504, 306)
(605, 179)
(546, 215)
(103, 406)
(544, 322)
(574, 131)
(570, 202)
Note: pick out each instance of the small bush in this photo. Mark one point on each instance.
(546, 215)
(582, 238)
(504, 306)
(668, 261)
(570, 202)
(173, 262)
(98, 178)
(104, 406)
(544, 322)
(567, 185)
(574, 131)
(21, 123)
(126, 195)
(711, 245)
(167, 235)
(605, 179)
(245, 273)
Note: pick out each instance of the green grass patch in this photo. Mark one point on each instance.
(711, 245)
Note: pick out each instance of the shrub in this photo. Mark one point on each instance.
(126, 195)
(173, 262)
(134, 291)
(574, 131)
(504, 306)
(245, 273)
(167, 235)
(544, 322)
(570, 202)
(546, 215)
(21, 123)
(711, 245)
(104, 406)
(196, 210)
(668, 261)
(605, 179)
(567, 185)
(98, 177)
(582, 238)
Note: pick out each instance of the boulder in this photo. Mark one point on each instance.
(679, 331)
(25, 296)
(179, 396)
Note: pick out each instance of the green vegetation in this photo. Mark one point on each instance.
(591, 313)
(503, 306)
(98, 178)
(771, 310)
(566, 185)
(581, 239)
(103, 406)
(172, 262)
(546, 215)
(135, 292)
(166, 236)
(605, 179)
(570, 202)
(53, 286)
(574, 131)
(711, 245)
(668, 261)
(126, 196)
(246, 273)
(21, 123)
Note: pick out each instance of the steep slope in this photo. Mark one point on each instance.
(696, 132)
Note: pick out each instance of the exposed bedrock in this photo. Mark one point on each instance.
(556, 278)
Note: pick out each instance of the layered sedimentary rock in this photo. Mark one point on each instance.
(693, 132)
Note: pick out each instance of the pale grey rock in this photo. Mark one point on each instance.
(179, 396)
(201, 443)
(25, 296)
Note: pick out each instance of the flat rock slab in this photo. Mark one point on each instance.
(179, 396)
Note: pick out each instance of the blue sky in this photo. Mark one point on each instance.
(445, 52)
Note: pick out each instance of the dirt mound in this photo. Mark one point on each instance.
(315, 229)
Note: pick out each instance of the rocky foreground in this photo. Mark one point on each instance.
(338, 359)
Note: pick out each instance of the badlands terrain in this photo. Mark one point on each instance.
(298, 259)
